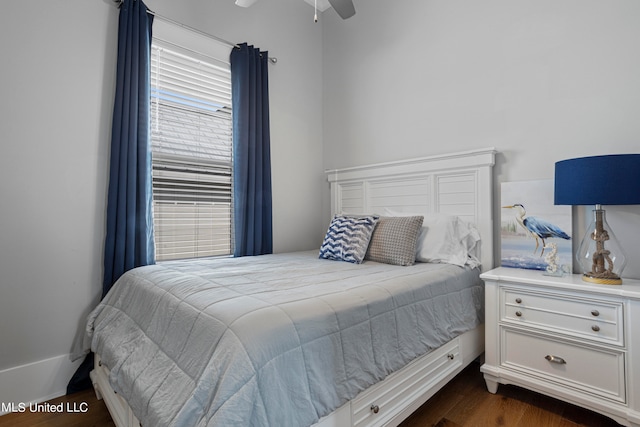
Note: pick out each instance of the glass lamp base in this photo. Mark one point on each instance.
(600, 255)
(611, 280)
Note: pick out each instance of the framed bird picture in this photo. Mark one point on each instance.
(535, 234)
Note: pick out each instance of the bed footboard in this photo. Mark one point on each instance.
(387, 403)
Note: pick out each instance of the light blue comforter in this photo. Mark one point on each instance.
(274, 340)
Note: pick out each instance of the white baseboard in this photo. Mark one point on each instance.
(36, 382)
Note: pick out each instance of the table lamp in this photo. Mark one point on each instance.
(599, 180)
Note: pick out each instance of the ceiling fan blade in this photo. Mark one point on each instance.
(344, 8)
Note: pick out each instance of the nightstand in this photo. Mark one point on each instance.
(566, 338)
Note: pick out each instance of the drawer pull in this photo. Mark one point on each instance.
(518, 300)
(375, 409)
(595, 313)
(518, 313)
(555, 359)
(451, 356)
(595, 328)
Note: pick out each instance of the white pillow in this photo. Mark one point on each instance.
(472, 244)
(445, 239)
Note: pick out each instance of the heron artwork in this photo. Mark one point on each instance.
(538, 228)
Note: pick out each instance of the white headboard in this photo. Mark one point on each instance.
(458, 184)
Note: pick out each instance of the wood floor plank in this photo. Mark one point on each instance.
(494, 410)
(444, 401)
(543, 411)
(446, 423)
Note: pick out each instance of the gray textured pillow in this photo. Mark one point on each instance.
(394, 240)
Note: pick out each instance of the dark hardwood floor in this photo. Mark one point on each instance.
(96, 414)
(464, 402)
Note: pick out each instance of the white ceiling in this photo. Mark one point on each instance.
(322, 4)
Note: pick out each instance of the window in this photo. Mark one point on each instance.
(191, 138)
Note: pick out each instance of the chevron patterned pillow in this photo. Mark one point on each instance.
(348, 238)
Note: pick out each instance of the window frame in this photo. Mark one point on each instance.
(198, 174)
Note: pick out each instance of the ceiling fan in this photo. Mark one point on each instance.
(344, 8)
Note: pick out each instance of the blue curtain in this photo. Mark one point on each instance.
(129, 235)
(129, 238)
(251, 152)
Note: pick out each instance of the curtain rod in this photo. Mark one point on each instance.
(195, 30)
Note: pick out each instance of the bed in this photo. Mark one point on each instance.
(297, 339)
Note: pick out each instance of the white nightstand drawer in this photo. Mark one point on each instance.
(595, 371)
(600, 320)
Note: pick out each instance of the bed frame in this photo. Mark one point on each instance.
(458, 184)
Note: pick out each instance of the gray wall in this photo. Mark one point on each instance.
(541, 81)
(56, 97)
(54, 115)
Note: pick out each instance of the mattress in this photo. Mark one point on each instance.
(272, 340)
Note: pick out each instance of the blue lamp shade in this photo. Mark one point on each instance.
(598, 180)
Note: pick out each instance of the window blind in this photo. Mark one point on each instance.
(191, 138)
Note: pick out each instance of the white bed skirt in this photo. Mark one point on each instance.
(387, 403)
